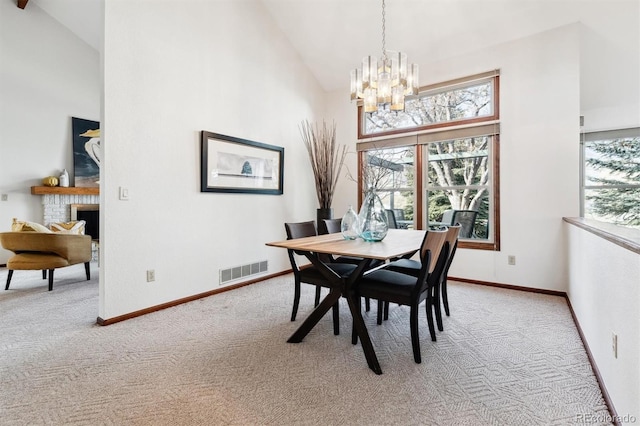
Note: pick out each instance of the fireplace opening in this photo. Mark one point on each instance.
(90, 213)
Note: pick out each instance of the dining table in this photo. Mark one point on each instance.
(397, 243)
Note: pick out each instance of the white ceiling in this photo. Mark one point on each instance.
(332, 36)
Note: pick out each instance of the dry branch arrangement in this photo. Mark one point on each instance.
(326, 158)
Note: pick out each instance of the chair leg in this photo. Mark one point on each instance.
(51, 279)
(386, 311)
(380, 309)
(436, 305)
(317, 301)
(367, 304)
(336, 319)
(87, 270)
(445, 298)
(429, 309)
(9, 279)
(415, 338)
(44, 274)
(296, 299)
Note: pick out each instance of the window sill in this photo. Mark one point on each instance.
(628, 238)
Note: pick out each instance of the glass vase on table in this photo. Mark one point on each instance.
(350, 225)
(373, 218)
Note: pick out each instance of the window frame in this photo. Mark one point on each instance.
(439, 88)
(418, 139)
(595, 136)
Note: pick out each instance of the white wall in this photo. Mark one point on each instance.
(610, 60)
(170, 71)
(604, 294)
(47, 76)
(539, 105)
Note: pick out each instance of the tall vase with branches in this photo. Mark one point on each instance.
(375, 172)
(327, 159)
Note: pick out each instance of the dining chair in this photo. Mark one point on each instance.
(467, 219)
(395, 287)
(330, 226)
(391, 219)
(412, 267)
(310, 274)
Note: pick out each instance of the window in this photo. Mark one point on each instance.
(611, 177)
(444, 105)
(459, 187)
(391, 171)
(449, 163)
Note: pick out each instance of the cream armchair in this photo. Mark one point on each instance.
(45, 251)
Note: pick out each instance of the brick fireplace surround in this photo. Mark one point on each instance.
(57, 202)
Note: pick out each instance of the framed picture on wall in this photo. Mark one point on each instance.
(86, 152)
(230, 164)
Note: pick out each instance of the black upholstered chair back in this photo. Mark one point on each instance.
(300, 230)
(330, 226)
(391, 219)
(467, 219)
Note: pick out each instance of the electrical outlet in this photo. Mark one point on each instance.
(511, 260)
(614, 344)
(151, 275)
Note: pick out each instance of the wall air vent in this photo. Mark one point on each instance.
(237, 272)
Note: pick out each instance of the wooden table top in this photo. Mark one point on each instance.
(398, 242)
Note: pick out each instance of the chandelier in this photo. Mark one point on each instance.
(383, 85)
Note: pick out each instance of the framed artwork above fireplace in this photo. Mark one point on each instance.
(86, 152)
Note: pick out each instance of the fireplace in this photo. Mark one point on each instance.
(63, 204)
(90, 213)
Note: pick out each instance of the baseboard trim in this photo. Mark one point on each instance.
(510, 287)
(596, 372)
(605, 394)
(109, 321)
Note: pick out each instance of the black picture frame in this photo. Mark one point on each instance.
(234, 165)
(87, 152)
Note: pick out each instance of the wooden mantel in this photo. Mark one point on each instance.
(71, 190)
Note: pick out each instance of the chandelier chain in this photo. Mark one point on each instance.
(384, 50)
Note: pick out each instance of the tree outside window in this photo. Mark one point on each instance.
(612, 178)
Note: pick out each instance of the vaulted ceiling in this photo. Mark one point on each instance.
(332, 36)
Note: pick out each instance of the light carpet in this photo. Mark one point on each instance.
(505, 357)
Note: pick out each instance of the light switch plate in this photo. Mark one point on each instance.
(124, 193)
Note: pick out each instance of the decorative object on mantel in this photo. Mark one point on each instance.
(86, 152)
(326, 159)
(50, 181)
(64, 179)
(383, 85)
